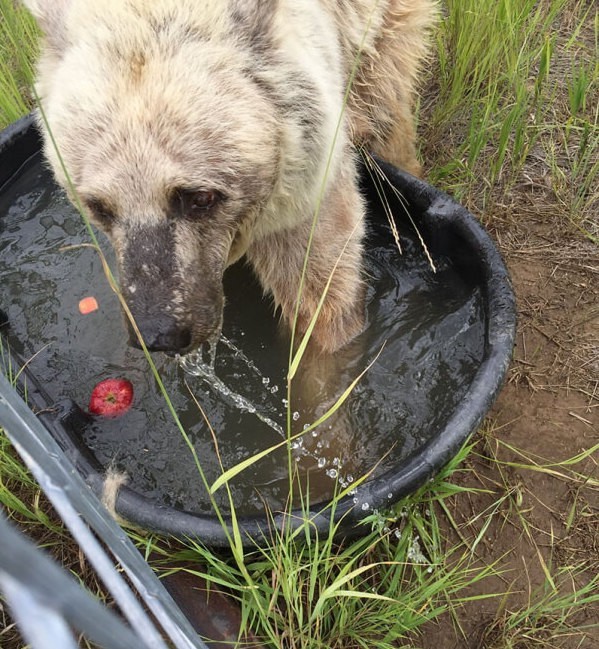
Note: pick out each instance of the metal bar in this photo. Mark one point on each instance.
(43, 597)
(76, 503)
(40, 627)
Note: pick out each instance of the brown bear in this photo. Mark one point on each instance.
(198, 132)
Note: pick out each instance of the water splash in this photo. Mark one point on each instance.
(249, 363)
(201, 364)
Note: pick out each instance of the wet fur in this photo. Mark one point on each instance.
(145, 98)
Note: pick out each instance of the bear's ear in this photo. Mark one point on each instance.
(50, 16)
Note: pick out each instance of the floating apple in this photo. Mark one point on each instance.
(111, 397)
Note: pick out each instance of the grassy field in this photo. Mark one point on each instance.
(501, 551)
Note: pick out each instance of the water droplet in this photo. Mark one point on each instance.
(296, 415)
(322, 462)
(332, 473)
(365, 506)
(389, 495)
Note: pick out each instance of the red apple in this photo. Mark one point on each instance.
(111, 397)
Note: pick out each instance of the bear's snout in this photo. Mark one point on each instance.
(172, 283)
(161, 333)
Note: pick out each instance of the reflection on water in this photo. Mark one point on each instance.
(431, 325)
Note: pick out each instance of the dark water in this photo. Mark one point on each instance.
(431, 325)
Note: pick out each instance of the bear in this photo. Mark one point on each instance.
(197, 133)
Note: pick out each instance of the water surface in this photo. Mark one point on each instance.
(429, 325)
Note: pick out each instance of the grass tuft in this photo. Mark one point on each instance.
(499, 106)
(305, 590)
(19, 38)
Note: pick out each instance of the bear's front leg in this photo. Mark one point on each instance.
(335, 252)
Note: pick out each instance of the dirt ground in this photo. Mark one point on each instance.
(549, 411)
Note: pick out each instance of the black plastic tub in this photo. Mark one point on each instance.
(449, 231)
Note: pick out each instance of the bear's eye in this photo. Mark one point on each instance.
(101, 211)
(203, 200)
(197, 203)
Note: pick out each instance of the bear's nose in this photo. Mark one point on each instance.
(161, 333)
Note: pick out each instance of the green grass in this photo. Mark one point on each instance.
(19, 493)
(550, 616)
(18, 49)
(513, 90)
(516, 81)
(304, 590)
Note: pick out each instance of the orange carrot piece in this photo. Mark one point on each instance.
(88, 305)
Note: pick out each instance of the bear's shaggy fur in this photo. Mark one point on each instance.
(196, 132)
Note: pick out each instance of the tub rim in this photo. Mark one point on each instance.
(439, 214)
